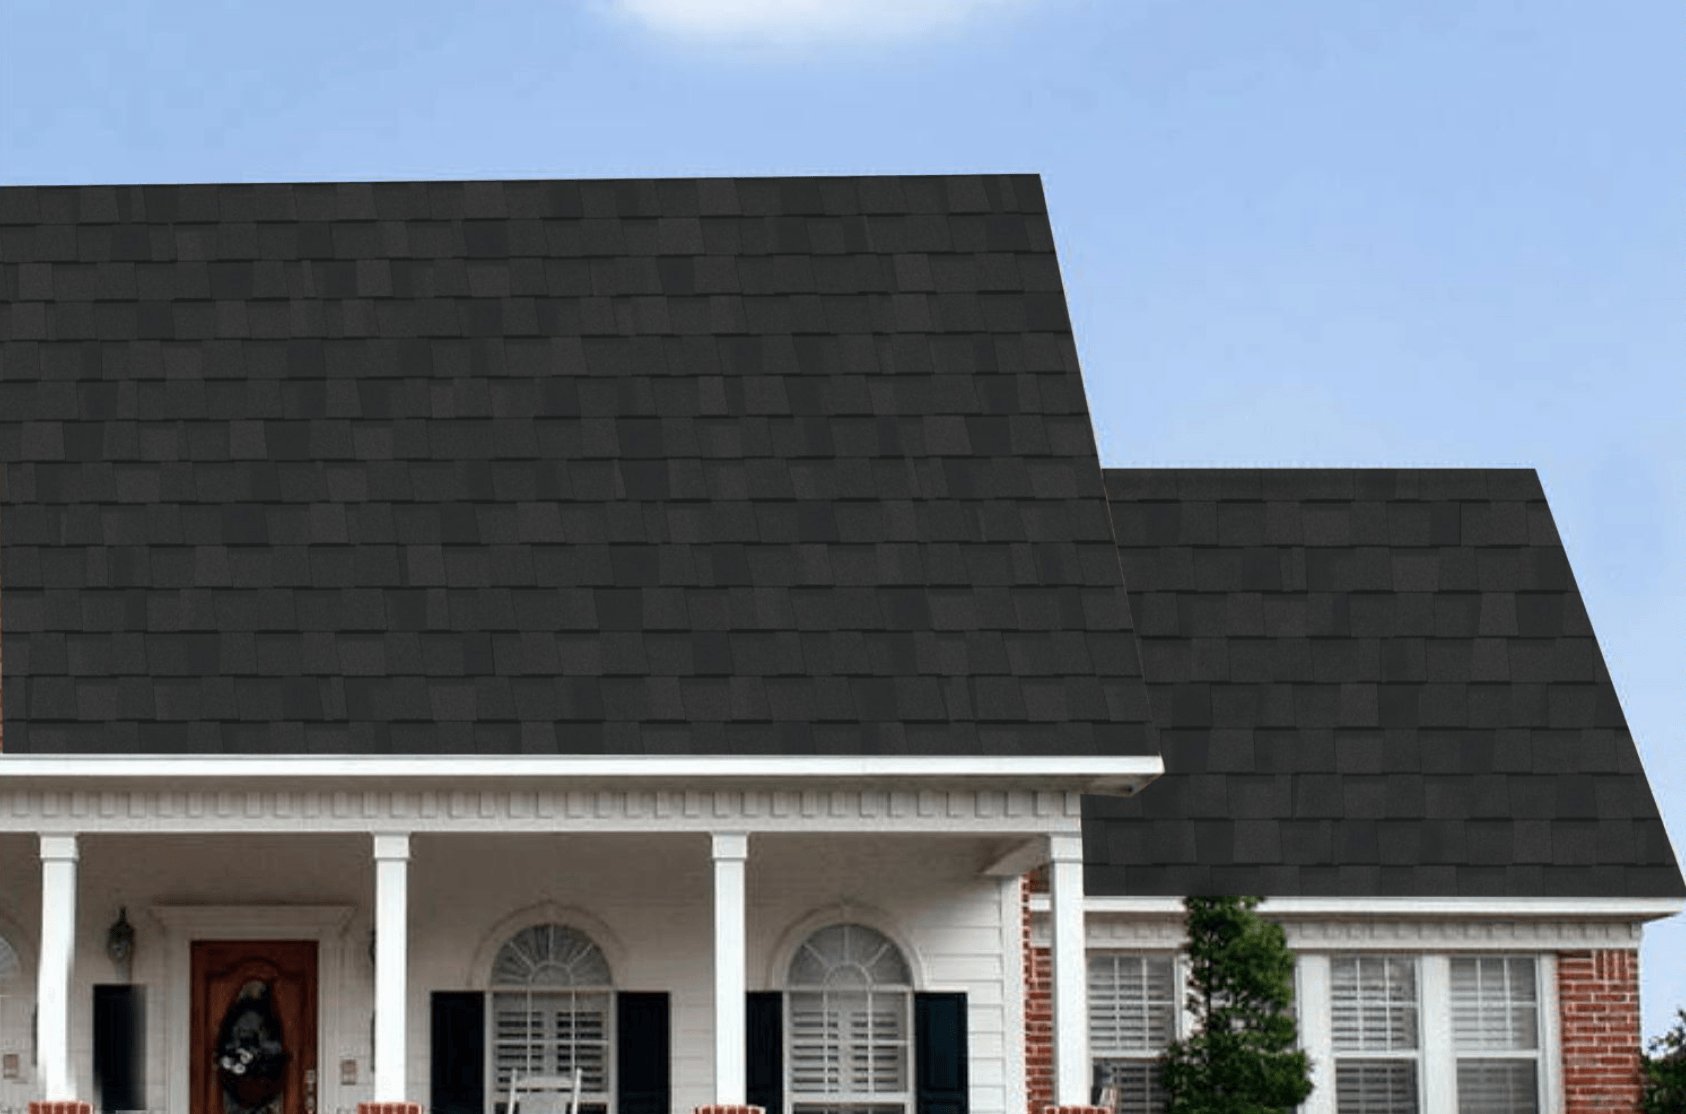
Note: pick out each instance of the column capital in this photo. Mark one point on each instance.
(59, 846)
(1065, 847)
(731, 845)
(392, 845)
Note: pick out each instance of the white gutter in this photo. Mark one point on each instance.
(1104, 774)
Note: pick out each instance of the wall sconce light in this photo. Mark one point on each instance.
(120, 942)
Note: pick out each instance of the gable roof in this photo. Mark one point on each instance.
(684, 466)
(1369, 682)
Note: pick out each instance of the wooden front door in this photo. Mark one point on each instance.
(254, 1027)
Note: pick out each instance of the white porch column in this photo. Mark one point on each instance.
(1070, 963)
(730, 986)
(58, 947)
(392, 865)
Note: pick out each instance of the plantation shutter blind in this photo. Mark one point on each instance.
(849, 1022)
(852, 1043)
(1375, 1018)
(1132, 1019)
(1132, 1003)
(1495, 1031)
(552, 1033)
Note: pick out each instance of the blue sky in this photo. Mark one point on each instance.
(1432, 232)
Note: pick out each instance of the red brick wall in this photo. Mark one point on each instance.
(1038, 1011)
(1598, 1004)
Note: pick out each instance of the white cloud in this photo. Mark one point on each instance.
(804, 22)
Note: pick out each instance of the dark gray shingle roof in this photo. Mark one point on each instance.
(1370, 682)
(774, 465)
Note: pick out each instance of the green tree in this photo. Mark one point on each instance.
(1240, 1058)
(1664, 1074)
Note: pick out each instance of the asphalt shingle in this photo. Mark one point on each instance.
(412, 447)
(1429, 694)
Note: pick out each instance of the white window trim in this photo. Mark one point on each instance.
(1551, 1038)
(1312, 978)
(1437, 1065)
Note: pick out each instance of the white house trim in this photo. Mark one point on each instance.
(1102, 774)
(1152, 932)
(1438, 1063)
(58, 953)
(1551, 1035)
(183, 924)
(1019, 859)
(1615, 908)
(1159, 931)
(1464, 935)
(1017, 1095)
(392, 937)
(351, 806)
(729, 850)
(1316, 1031)
(1070, 970)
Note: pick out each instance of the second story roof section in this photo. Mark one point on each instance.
(797, 466)
(1370, 683)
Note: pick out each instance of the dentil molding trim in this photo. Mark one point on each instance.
(507, 809)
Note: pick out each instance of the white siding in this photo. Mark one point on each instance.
(646, 898)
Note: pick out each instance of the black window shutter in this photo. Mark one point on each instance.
(120, 1047)
(939, 1040)
(459, 1052)
(764, 1050)
(643, 1053)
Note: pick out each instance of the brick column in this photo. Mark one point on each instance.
(70, 1106)
(1598, 1008)
(380, 1108)
(1038, 1008)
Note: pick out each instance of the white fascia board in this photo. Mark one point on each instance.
(1116, 775)
(1605, 908)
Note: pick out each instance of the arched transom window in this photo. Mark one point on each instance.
(850, 996)
(551, 997)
